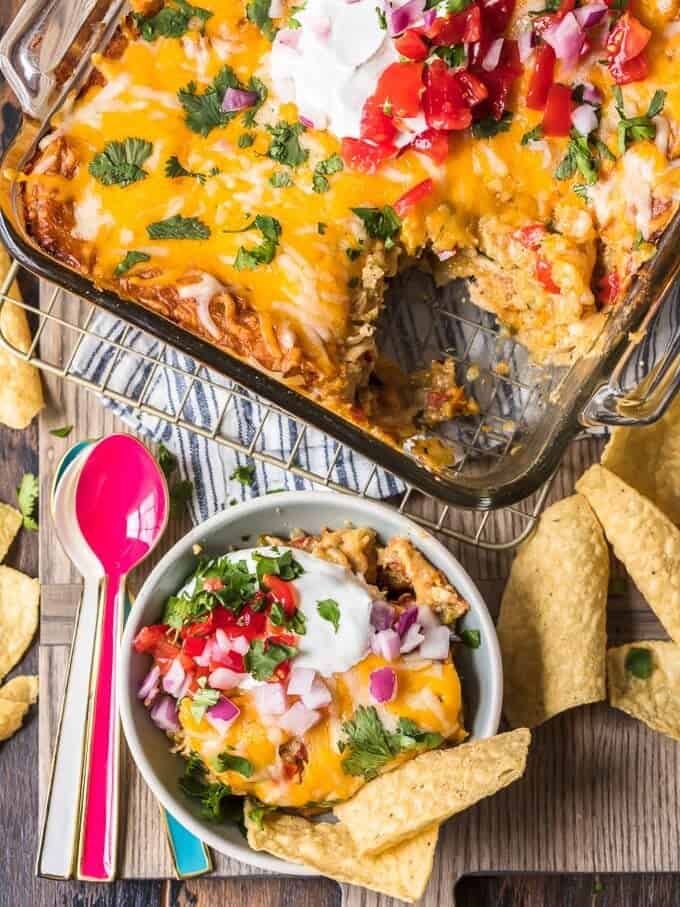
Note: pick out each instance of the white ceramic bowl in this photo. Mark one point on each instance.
(480, 669)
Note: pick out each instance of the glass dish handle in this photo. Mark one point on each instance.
(41, 40)
(612, 406)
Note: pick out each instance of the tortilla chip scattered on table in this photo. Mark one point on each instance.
(19, 595)
(431, 788)
(401, 872)
(644, 681)
(643, 539)
(15, 698)
(552, 623)
(10, 523)
(648, 459)
(21, 395)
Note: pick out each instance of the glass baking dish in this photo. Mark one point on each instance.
(528, 414)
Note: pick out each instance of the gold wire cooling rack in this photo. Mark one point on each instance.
(63, 324)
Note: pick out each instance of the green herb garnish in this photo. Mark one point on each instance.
(203, 699)
(369, 746)
(216, 800)
(203, 112)
(471, 638)
(263, 659)
(533, 135)
(635, 129)
(130, 259)
(323, 170)
(120, 163)
(296, 623)
(172, 21)
(380, 223)
(258, 811)
(258, 13)
(382, 18)
(639, 663)
(245, 140)
(247, 259)
(174, 170)
(285, 147)
(583, 156)
(490, 126)
(228, 762)
(62, 432)
(244, 474)
(283, 565)
(281, 180)
(178, 227)
(27, 498)
(455, 56)
(329, 609)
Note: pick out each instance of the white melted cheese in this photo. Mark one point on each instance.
(90, 217)
(331, 64)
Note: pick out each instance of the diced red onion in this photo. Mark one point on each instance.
(300, 681)
(405, 16)
(184, 689)
(222, 640)
(382, 615)
(298, 719)
(318, 696)
(412, 638)
(584, 119)
(525, 44)
(276, 9)
(436, 644)
(321, 26)
(493, 55)
(566, 38)
(591, 94)
(429, 17)
(240, 644)
(426, 617)
(149, 682)
(270, 699)
(445, 254)
(386, 643)
(406, 619)
(174, 679)
(307, 122)
(238, 99)
(164, 714)
(222, 714)
(203, 660)
(591, 13)
(382, 684)
(290, 37)
(205, 318)
(224, 679)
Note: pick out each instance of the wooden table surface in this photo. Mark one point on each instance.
(35, 450)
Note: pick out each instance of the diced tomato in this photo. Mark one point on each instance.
(413, 197)
(557, 114)
(444, 101)
(608, 288)
(376, 126)
(634, 70)
(399, 89)
(541, 78)
(433, 143)
(213, 584)
(412, 45)
(474, 90)
(249, 624)
(496, 15)
(283, 639)
(164, 652)
(363, 156)
(232, 660)
(499, 81)
(544, 275)
(281, 672)
(458, 28)
(149, 637)
(223, 618)
(282, 591)
(531, 236)
(625, 45)
(194, 645)
(198, 628)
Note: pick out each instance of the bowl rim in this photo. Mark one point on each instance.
(364, 508)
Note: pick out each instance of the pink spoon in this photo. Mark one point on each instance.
(122, 510)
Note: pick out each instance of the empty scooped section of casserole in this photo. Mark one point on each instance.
(294, 677)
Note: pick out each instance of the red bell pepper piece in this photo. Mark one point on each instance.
(444, 102)
(557, 114)
(541, 78)
(399, 89)
(364, 156)
(413, 197)
(434, 143)
(412, 45)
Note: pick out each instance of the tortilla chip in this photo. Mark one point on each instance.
(19, 596)
(654, 699)
(648, 459)
(431, 788)
(643, 539)
(21, 395)
(21, 689)
(10, 524)
(402, 872)
(15, 698)
(552, 623)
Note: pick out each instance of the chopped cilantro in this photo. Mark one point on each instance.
(238, 585)
(283, 565)
(455, 56)
(329, 609)
(321, 228)
(293, 21)
(245, 140)
(638, 241)
(323, 169)
(166, 460)
(203, 112)
(296, 622)
(172, 21)
(128, 262)
(174, 170)
(120, 163)
(471, 638)
(281, 180)
(178, 227)
(581, 157)
(488, 126)
(229, 762)
(244, 474)
(380, 223)
(203, 699)
(258, 13)
(216, 801)
(258, 811)
(639, 663)
(285, 147)
(27, 498)
(352, 253)
(533, 135)
(247, 259)
(62, 432)
(258, 86)
(635, 129)
(262, 659)
(581, 191)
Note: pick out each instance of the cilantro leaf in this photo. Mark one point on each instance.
(180, 610)
(533, 135)
(329, 609)
(283, 565)
(455, 57)
(247, 259)
(490, 126)
(27, 497)
(411, 735)
(296, 622)
(323, 169)
(172, 21)
(380, 223)
(229, 762)
(178, 227)
(130, 259)
(635, 129)
(62, 432)
(166, 460)
(258, 811)
(639, 663)
(258, 86)
(175, 170)
(120, 163)
(580, 157)
(471, 638)
(216, 800)
(180, 493)
(245, 140)
(262, 661)
(285, 147)
(281, 180)
(257, 12)
(244, 474)
(203, 112)
(203, 699)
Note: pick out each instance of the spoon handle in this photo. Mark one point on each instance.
(56, 852)
(99, 818)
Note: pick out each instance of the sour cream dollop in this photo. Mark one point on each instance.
(331, 64)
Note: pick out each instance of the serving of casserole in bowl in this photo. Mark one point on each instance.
(246, 178)
(293, 649)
